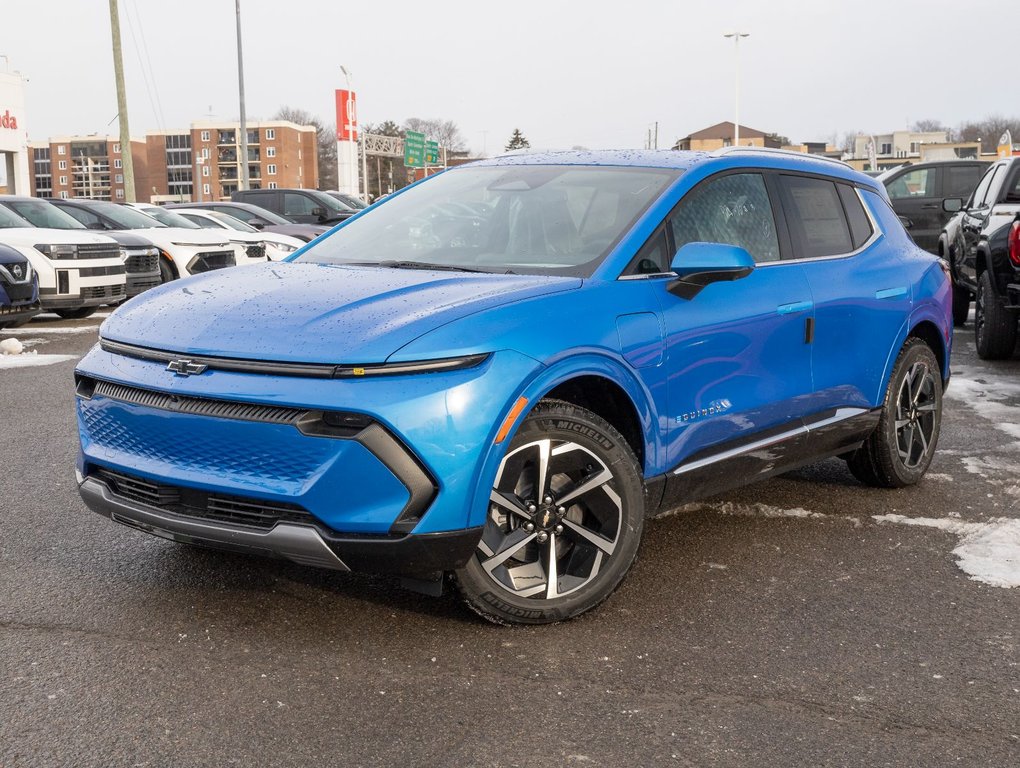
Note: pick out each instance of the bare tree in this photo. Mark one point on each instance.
(445, 132)
(988, 130)
(930, 124)
(325, 142)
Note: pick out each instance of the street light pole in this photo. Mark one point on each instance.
(240, 90)
(125, 132)
(736, 35)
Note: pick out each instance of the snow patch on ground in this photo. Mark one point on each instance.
(33, 329)
(11, 347)
(938, 476)
(989, 552)
(988, 402)
(742, 510)
(30, 359)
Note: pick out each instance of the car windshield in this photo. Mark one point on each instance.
(231, 222)
(9, 219)
(124, 217)
(169, 218)
(525, 219)
(351, 202)
(42, 214)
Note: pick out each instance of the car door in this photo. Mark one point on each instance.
(914, 193)
(739, 367)
(975, 216)
(861, 291)
(300, 207)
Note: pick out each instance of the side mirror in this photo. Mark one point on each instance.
(700, 264)
(320, 212)
(907, 223)
(952, 204)
(257, 223)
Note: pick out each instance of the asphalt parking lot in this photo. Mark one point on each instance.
(780, 625)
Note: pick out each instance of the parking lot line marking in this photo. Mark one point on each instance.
(83, 329)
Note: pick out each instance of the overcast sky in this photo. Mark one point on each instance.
(591, 73)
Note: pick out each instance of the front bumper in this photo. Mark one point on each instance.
(410, 555)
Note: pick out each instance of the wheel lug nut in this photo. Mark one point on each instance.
(543, 536)
(547, 499)
(529, 527)
(558, 529)
(532, 508)
(561, 510)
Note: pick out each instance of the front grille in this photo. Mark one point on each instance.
(113, 269)
(18, 293)
(142, 263)
(99, 251)
(191, 502)
(200, 406)
(210, 260)
(256, 251)
(103, 292)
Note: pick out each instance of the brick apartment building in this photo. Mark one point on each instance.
(202, 163)
(82, 166)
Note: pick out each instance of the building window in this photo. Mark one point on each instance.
(62, 165)
(270, 134)
(120, 194)
(886, 149)
(62, 180)
(271, 169)
(272, 185)
(119, 178)
(299, 154)
(205, 189)
(205, 152)
(270, 151)
(63, 194)
(205, 170)
(205, 135)
(118, 163)
(61, 149)
(116, 149)
(299, 169)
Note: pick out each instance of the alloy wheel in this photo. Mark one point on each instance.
(916, 407)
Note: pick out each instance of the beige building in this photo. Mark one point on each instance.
(200, 163)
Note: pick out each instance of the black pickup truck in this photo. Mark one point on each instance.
(985, 257)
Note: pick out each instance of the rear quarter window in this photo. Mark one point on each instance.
(815, 217)
(860, 224)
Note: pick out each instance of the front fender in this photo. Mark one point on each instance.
(556, 372)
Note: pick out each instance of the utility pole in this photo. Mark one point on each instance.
(736, 35)
(127, 161)
(240, 90)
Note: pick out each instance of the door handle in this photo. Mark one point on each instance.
(931, 205)
(892, 293)
(797, 306)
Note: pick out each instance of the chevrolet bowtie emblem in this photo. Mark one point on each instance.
(186, 367)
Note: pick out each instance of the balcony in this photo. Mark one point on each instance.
(227, 137)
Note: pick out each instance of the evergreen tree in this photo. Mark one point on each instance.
(517, 141)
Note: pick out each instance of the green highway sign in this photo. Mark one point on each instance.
(432, 152)
(414, 149)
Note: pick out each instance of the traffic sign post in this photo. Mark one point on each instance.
(414, 149)
(432, 153)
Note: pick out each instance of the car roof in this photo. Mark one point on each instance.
(685, 160)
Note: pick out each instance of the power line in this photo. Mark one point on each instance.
(148, 75)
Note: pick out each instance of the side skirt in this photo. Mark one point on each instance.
(746, 460)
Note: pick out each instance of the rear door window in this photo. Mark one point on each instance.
(814, 213)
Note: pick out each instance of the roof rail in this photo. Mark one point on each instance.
(775, 151)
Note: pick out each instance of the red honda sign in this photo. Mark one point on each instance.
(346, 116)
(7, 120)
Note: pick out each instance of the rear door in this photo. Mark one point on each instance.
(300, 207)
(860, 289)
(914, 193)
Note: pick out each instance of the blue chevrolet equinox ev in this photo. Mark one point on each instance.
(495, 375)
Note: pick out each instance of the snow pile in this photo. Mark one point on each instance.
(11, 347)
(744, 510)
(30, 359)
(989, 552)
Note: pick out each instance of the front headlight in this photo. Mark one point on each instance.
(284, 247)
(61, 251)
(416, 366)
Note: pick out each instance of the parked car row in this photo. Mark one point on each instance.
(72, 256)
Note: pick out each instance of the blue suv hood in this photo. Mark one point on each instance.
(315, 313)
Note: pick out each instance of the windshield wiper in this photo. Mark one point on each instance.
(395, 264)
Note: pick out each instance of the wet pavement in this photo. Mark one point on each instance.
(779, 625)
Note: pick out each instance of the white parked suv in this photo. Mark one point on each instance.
(78, 271)
(183, 251)
(251, 249)
(277, 246)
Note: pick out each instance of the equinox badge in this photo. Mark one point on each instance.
(186, 367)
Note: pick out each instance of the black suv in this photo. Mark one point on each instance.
(917, 191)
(304, 206)
(985, 257)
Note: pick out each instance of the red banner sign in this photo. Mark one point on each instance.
(346, 116)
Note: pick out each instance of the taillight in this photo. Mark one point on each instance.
(1014, 243)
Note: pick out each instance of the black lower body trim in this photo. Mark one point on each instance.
(412, 555)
